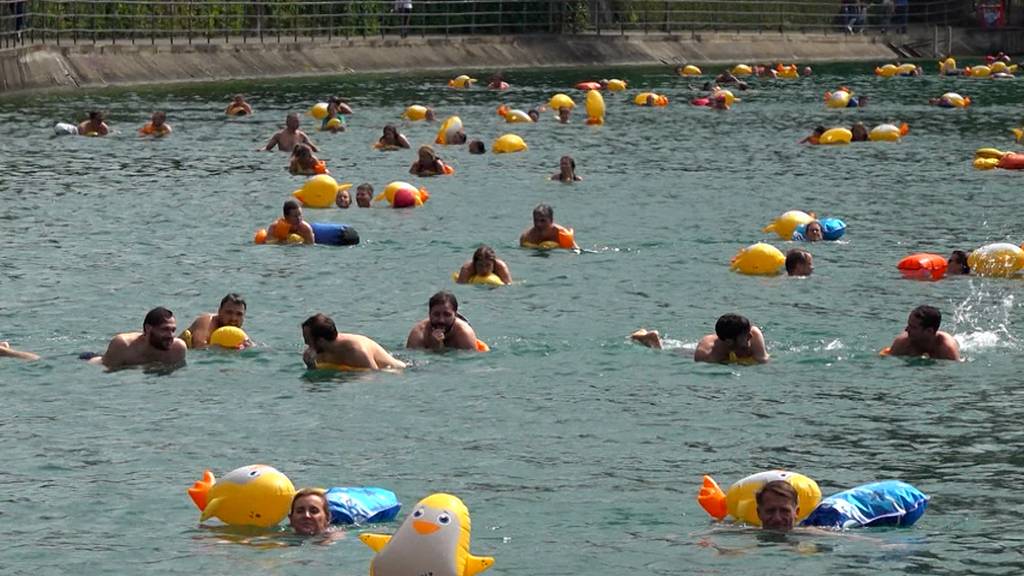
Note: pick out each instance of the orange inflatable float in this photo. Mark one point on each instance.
(923, 266)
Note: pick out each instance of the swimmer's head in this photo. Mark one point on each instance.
(957, 263)
(543, 216)
(806, 71)
(158, 328)
(443, 308)
(477, 147)
(813, 232)
(819, 130)
(777, 505)
(291, 121)
(310, 513)
(733, 329)
(650, 100)
(390, 132)
(563, 114)
(302, 151)
(567, 165)
(96, 116)
(231, 311)
(238, 99)
(318, 329)
(429, 115)
(343, 199)
(923, 323)
(799, 262)
(292, 212)
(859, 132)
(364, 195)
(158, 118)
(483, 261)
(533, 114)
(427, 155)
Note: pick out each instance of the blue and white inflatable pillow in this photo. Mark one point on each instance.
(362, 505)
(886, 503)
(831, 229)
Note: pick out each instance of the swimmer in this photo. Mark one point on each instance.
(324, 345)
(364, 195)
(286, 138)
(392, 139)
(334, 111)
(156, 344)
(427, 164)
(157, 126)
(477, 147)
(799, 262)
(444, 328)
(777, 504)
(719, 101)
(815, 137)
(563, 114)
(340, 105)
(94, 126)
(566, 171)
(534, 114)
(859, 131)
(483, 264)
(727, 77)
(734, 340)
(310, 513)
(497, 82)
(806, 71)
(957, 265)
(813, 232)
(7, 351)
(544, 228)
(343, 199)
(230, 313)
(944, 102)
(304, 163)
(238, 106)
(922, 337)
(293, 219)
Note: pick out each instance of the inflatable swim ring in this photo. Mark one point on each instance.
(758, 260)
(923, 266)
(595, 108)
(886, 503)
(415, 113)
(508, 143)
(319, 191)
(615, 85)
(256, 495)
(888, 132)
(319, 110)
(566, 240)
(279, 233)
(741, 70)
(230, 337)
(788, 222)
(403, 195)
(657, 99)
(461, 81)
(451, 126)
(836, 136)
(999, 260)
(739, 501)
(489, 280)
(690, 70)
(559, 101)
(832, 229)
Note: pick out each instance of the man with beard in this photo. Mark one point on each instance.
(444, 328)
(230, 313)
(922, 337)
(156, 344)
(327, 349)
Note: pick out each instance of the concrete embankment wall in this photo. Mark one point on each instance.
(48, 67)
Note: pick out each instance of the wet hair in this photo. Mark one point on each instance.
(160, 115)
(428, 150)
(96, 116)
(819, 130)
(444, 297)
(233, 298)
(796, 257)
(392, 128)
(312, 492)
(544, 210)
(292, 115)
(365, 187)
(779, 488)
(477, 147)
(929, 316)
(730, 326)
(534, 114)
(859, 131)
(290, 206)
(157, 316)
(484, 252)
(302, 151)
(572, 162)
(237, 97)
(961, 260)
(321, 326)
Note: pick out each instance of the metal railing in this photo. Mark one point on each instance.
(28, 22)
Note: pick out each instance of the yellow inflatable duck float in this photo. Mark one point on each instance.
(256, 495)
(319, 191)
(740, 501)
(433, 540)
(403, 195)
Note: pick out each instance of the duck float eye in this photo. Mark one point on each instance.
(444, 519)
(418, 513)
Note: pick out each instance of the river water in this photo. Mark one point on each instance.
(576, 451)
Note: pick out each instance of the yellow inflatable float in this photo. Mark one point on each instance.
(886, 71)
(838, 99)
(740, 70)
(513, 116)
(319, 110)
(508, 143)
(1000, 260)
(740, 500)
(595, 108)
(256, 495)
(230, 337)
(727, 94)
(403, 195)
(451, 126)
(491, 279)
(888, 132)
(461, 81)
(788, 222)
(415, 113)
(559, 101)
(836, 136)
(948, 67)
(690, 70)
(615, 85)
(979, 71)
(758, 260)
(319, 191)
(650, 99)
(789, 72)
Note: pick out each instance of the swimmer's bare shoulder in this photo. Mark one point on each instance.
(947, 348)
(705, 349)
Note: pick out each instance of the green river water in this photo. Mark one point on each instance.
(576, 451)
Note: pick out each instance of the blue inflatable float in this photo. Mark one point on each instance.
(352, 505)
(334, 234)
(886, 503)
(831, 229)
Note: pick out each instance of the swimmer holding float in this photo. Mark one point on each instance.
(484, 264)
(231, 312)
(326, 348)
(735, 341)
(238, 107)
(546, 232)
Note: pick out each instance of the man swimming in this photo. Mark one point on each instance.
(799, 262)
(238, 107)
(157, 125)
(544, 228)
(230, 313)
(95, 125)
(326, 347)
(922, 337)
(292, 223)
(734, 340)
(444, 328)
(286, 138)
(777, 504)
(156, 344)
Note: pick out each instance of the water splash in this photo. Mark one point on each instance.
(982, 319)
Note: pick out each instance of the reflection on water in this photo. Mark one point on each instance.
(576, 450)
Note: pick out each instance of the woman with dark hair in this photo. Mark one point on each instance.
(483, 264)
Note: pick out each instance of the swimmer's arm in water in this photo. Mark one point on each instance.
(344, 108)
(6, 350)
(525, 237)
(465, 273)
(274, 141)
(462, 337)
(501, 269)
(385, 360)
(757, 346)
(306, 231)
(649, 338)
